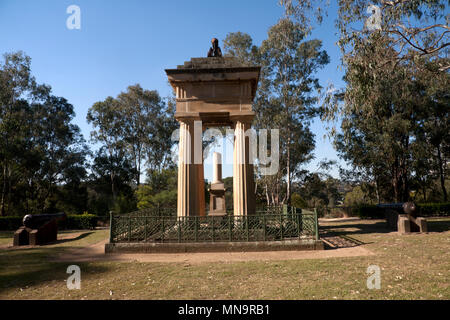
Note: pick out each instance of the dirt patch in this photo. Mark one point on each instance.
(96, 253)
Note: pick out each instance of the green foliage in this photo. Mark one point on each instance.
(83, 221)
(298, 202)
(368, 212)
(359, 195)
(160, 190)
(434, 209)
(40, 149)
(10, 223)
(72, 222)
(425, 210)
(285, 98)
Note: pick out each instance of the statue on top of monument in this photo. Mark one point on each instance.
(214, 51)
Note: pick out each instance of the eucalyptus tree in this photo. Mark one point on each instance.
(40, 149)
(418, 28)
(16, 81)
(109, 131)
(141, 114)
(286, 95)
(290, 62)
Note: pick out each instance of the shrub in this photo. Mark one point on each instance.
(434, 209)
(79, 222)
(10, 223)
(75, 221)
(368, 212)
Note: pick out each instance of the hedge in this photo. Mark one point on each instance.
(73, 222)
(425, 210)
(10, 223)
(434, 209)
(79, 222)
(368, 211)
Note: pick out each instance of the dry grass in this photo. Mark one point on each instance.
(412, 267)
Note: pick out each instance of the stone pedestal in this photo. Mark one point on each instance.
(408, 224)
(217, 206)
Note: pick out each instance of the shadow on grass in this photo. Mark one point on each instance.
(361, 228)
(81, 236)
(439, 225)
(31, 267)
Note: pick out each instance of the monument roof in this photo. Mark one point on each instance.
(213, 64)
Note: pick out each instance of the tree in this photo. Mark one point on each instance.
(15, 81)
(286, 95)
(288, 101)
(40, 149)
(418, 28)
(240, 45)
(107, 119)
(145, 125)
(384, 112)
(160, 190)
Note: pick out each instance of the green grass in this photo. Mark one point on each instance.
(413, 266)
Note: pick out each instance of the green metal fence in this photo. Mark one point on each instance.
(287, 223)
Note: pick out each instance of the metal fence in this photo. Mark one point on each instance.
(287, 223)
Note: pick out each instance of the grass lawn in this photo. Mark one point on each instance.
(412, 267)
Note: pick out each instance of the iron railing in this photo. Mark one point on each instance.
(286, 223)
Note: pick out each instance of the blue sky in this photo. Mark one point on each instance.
(121, 43)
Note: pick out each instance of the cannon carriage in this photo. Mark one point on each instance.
(403, 217)
(38, 229)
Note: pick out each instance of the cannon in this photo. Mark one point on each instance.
(403, 217)
(38, 229)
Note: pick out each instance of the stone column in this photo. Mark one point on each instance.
(191, 184)
(243, 180)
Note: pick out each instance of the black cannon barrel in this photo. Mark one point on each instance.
(401, 207)
(34, 221)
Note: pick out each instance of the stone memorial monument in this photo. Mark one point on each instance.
(213, 91)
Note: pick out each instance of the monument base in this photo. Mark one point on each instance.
(286, 245)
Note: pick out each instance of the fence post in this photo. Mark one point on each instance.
(129, 228)
(264, 224)
(246, 227)
(163, 229)
(316, 224)
(196, 228)
(230, 228)
(285, 209)
(145, 229)
(111, 227)
(213, 235)
(179, 228)
(281, 227)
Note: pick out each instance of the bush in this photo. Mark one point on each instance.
(434, 209)
(10, 223)
(368, 212)
(79, 222)
(75, 221)
(424, 209)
